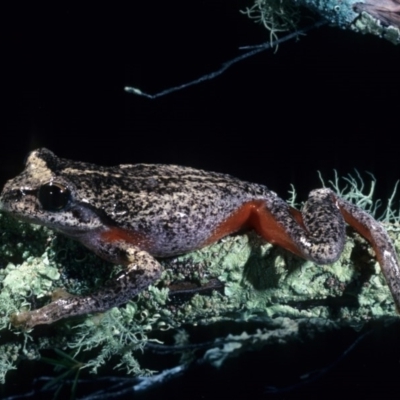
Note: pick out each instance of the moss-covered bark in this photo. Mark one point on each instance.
(239, 280)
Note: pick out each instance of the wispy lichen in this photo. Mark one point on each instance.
(352, 189)
(276, 15)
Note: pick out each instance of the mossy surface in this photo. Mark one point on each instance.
(254, 282)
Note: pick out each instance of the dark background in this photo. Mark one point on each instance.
(327, 101)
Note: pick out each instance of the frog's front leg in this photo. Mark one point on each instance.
(141, 271)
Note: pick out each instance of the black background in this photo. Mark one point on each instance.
(327, 101)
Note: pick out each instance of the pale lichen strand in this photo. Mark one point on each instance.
(276, 15)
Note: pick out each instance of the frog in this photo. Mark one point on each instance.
(135, 215)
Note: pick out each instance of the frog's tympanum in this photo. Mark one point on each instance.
(134, 214)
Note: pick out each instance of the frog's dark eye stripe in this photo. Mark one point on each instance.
(53, 196)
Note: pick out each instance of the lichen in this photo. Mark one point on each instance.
(276, 15)
(366, 23)
(253, 281)
(285, 15)
(340, 13)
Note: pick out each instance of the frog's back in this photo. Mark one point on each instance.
(177, 207)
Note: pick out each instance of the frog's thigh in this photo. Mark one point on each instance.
(317, 233)
(256, 215)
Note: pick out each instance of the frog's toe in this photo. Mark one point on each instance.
(21, 320)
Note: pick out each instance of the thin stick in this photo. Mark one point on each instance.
(255, 50)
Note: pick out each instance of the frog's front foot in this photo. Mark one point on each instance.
(47, 314)
(21, 320)
(29, 319)
(62, 307)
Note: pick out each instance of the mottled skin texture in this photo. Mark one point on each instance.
(129, 214)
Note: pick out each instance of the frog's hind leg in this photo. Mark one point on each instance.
(374, 232)
(255, 215)
(317, 234)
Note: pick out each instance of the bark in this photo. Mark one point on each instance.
(386, 11)
(378, 17)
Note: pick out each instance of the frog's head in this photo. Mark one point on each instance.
(45, 195)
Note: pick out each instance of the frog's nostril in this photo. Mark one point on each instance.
(9, 197)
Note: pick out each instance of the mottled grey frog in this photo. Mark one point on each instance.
(133, 214)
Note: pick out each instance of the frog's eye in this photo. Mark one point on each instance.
(53, 196)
